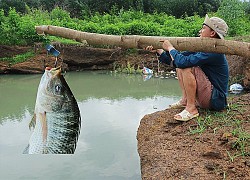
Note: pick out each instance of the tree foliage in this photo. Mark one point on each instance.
(233, 12)
(17, 27)
(76, 8)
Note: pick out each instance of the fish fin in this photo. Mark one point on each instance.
(44, 127)
(32, 123)
(26, 150)
(45, 150)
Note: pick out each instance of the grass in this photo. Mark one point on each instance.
(25, 56)
(236, 79)
(232, 157)
(128, 69)
(231, 122)
(19, 58)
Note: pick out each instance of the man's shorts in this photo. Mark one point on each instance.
(204, 88)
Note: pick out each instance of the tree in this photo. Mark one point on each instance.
(205, 6)
(32, 3)
(77, 8)
(49, 5)
(232, 11)
(180, 8)
(247, 7)
(19, 5)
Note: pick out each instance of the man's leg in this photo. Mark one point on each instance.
(188, 85)
(184, 96)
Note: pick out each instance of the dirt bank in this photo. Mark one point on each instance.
(169, 151)
(76, 58)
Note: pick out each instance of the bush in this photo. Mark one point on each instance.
(17, 29)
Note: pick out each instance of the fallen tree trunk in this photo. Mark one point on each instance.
(194, 44)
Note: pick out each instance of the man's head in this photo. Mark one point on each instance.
(214, 27)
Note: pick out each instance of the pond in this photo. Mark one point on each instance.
(111, 107)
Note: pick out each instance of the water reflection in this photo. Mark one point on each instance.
(17, 94)
(111, 109)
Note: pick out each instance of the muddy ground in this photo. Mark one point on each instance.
(169, 151)
(166, 147)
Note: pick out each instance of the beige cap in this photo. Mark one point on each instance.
(217, 24)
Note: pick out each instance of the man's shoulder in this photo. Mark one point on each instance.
(203, 53)
(213, 55)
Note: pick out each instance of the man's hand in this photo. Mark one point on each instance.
(151, 49)
(167, 45)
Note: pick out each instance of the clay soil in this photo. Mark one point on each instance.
(169, 151)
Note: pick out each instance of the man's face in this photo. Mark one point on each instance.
(206, 32)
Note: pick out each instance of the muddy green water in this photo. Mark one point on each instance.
(111, 109)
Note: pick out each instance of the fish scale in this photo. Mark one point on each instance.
(36, 144)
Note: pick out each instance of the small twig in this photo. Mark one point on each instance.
(118, 49)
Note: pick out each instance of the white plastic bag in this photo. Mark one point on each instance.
(147, 71)
(235, 88)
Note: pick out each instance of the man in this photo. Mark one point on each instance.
(203, 77)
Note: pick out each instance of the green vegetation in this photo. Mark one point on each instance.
(19, 58)
(78, 8)
(128, 69)
(17, 24)
(231, 122)
(236, 79)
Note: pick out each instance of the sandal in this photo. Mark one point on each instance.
(176, 105)
(185, 116)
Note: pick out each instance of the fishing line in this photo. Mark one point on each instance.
(159, 72)
(153, 105)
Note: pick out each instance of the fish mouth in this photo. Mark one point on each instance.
(54, 71)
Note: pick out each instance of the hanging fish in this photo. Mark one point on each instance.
(56, 122)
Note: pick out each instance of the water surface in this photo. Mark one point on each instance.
(111, 106)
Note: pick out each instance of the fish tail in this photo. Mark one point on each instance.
(26, 150)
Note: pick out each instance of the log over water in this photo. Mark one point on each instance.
(195, 44)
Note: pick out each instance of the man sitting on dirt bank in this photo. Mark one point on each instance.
(203, 77)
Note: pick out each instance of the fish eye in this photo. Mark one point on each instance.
(58, 88)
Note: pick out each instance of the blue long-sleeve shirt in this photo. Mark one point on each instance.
(214, 65)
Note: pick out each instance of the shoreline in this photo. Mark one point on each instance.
(168, 149)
